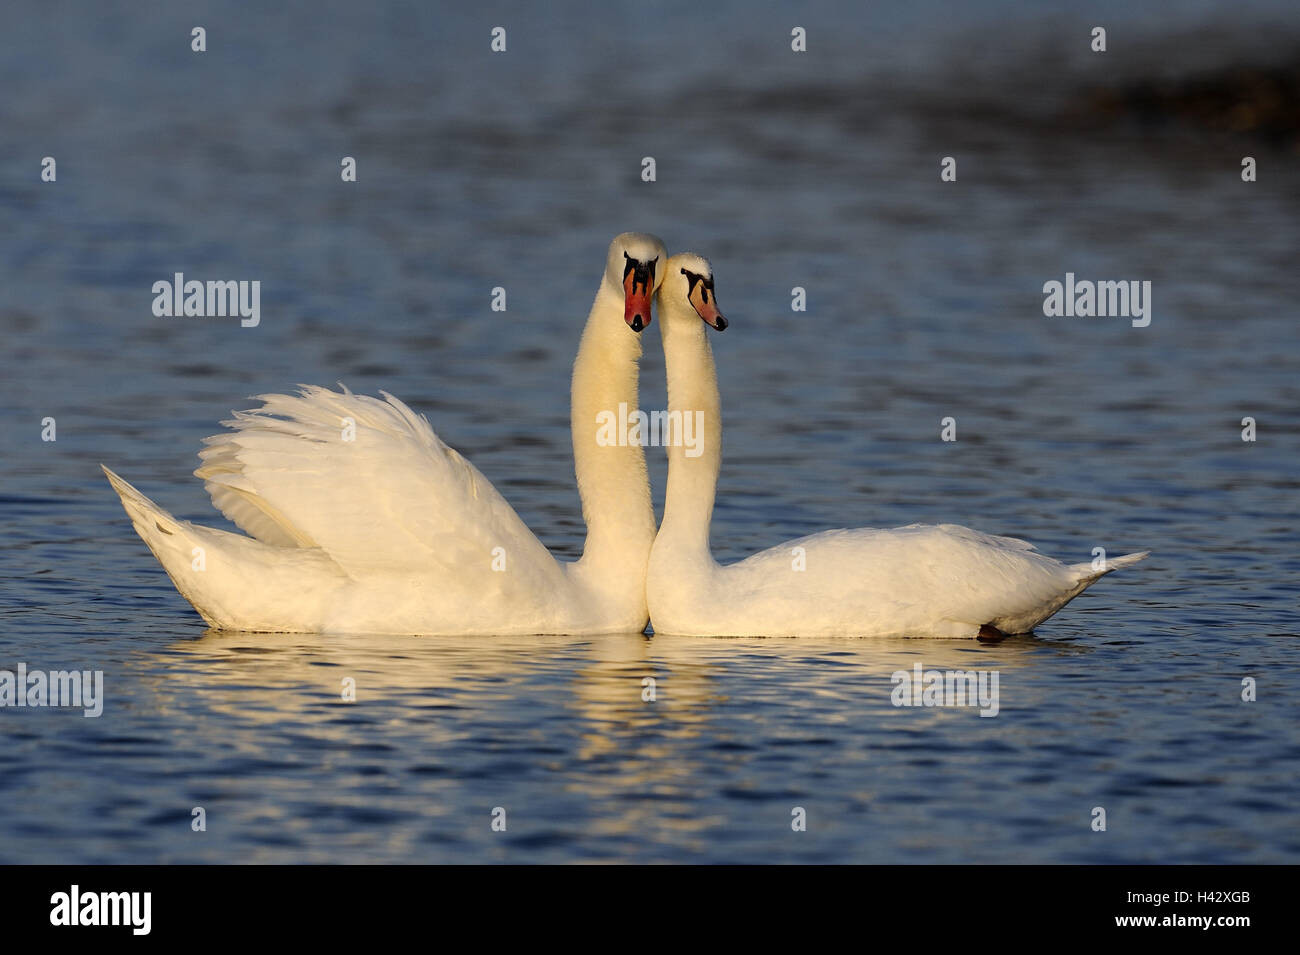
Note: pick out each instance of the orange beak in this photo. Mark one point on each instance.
(705, 304)
(638, 286)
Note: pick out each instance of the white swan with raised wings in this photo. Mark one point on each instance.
(360, 519)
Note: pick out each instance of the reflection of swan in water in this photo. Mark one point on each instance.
(557, 729)
(262, 677)
(726, 710)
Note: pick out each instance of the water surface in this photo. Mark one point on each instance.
(924, 302)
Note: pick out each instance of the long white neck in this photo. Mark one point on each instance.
(612, 478)
(692, 476)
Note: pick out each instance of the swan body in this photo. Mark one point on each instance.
(360, 519)
(927, 581)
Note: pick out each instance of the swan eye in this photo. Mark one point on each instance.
(693, 279)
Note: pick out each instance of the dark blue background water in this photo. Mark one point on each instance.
(817, 170)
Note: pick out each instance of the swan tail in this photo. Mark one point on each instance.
(234, 582)
(172, 541)
(1087, 573)
(150, 520)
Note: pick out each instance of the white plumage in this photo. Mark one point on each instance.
(359, 518)
(924, 581)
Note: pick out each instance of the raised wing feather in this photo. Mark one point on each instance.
(371, 484)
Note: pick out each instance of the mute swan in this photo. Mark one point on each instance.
(944, 581)
(392, 531)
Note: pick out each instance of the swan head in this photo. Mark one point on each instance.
(635, 267)
(688, 288)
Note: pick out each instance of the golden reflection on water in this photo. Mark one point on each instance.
(579, 707)
(605, 673)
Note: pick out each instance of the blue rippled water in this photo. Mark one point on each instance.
(817, 170)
